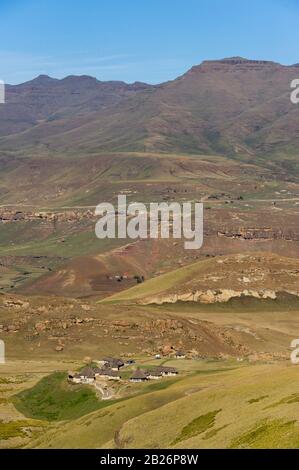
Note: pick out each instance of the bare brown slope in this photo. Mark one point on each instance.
(233, 106)
(42, 326)
(46, 100)
(257, 275)
(103, 274)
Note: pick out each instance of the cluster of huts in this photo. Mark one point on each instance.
(141, 375)
(109, 369)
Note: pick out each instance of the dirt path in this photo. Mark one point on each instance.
(107, 394)
(203, 199)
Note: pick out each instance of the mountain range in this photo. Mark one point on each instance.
(232, 107)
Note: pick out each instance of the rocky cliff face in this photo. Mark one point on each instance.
(212, 296)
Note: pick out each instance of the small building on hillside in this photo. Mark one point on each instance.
(86, 376)
(74, 377)
(97, 371)
(180, 355)
(139, 376)
(155, 374)
(168, 371)
(106, 373)
(111, 362)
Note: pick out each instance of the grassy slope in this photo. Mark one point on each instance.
(232, 395)
(196, 412)
(179, 277)
(161, 283)
(53, 399)
(104, 173)
(22, 239)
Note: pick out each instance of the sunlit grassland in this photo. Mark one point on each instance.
(247, 406)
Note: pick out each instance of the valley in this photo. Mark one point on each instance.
(224, 134)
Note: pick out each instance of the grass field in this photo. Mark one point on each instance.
(224, 271)
(198, 409)
(196, 412)
(53, 399)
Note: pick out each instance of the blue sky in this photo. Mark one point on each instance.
(144, 40)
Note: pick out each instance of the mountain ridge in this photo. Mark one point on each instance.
(232, 106)
(234, 60)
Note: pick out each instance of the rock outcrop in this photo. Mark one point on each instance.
(212, 296)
